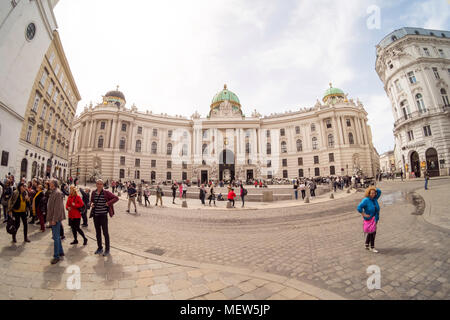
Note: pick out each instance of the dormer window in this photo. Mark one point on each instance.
(394, 38)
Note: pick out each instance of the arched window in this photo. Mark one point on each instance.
(154, 147)
(299, 145)
(283, 147)
(314, 143)
(268, 147)
(169, 149)
(350, 138)
(204, 149)
(184, 150)
(247, 148)
(138, 145)
(330, 141)
(405, 109)
(122, 144)
(420, 104)
(445, 97)
(100, 142)
(313, 127)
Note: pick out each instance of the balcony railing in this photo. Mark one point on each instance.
(412, 116)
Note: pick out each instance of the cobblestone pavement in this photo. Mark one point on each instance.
(320, 244)
(281, 253)
(26, 273)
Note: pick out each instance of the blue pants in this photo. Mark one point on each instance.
(426, 184)
(57, 245)
(296, 194)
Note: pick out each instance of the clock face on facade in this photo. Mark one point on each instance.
(31, 31)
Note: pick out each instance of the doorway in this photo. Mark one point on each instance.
(249, 175)
(415, 164)
(23, 168)
(204, 176)
(431, 157)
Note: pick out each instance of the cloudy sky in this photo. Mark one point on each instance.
(172, 56)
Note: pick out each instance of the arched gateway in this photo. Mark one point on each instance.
(226, 165)
(415, 164)
(432, 162)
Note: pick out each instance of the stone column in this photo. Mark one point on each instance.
(88, 141)
(336, 130)
(324, 142)
(108, 135)
(254, 146)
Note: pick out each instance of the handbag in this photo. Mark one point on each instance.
(11, 226)
(370, 226)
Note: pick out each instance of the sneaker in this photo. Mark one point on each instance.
(26, 240)
(106, 253)
(85, 241)
(374, 250)
(128, 211)
(99, 251)
(74, 242)
(54, 260)
(62, 255)
(84, 225)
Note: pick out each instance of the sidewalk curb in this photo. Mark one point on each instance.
(311, 290)
(427, 212)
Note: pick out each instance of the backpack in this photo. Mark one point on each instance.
(245, 192)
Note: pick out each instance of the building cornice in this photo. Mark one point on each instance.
(11, 111)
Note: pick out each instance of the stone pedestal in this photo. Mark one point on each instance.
(332, 195)
(184, 204)
(229, 205)
(307, 199)
(267, 196)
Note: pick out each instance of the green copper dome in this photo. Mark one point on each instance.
(333, 92)
(225, 95)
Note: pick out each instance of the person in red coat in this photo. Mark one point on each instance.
(74, 205)
(231, 196)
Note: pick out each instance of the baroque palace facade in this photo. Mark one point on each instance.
(114, 142)
(414, 66)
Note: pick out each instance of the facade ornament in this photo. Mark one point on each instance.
(256, 114)
(196, 115)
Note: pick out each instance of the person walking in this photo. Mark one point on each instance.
(185, 187)
(37, 206)
(17, 209)
(231, 196)
(313, 187)
(202, 194)
(159, 194)
(101, 204)
(427, 177)
(181, 190)
(212, 195)
(302, 188)
(6, 195)
(55, 216)
(243, 193)
(147, 195)
(132, 197)
(85, 194)
(370, 211)
(75, 205)
(296, 189)
(174, 191)
(401, 174)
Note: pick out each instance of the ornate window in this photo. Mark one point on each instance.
(282, 132)
(37, 99)
(444, 97)
(154, 147)
(247, 148)
(420, 104)
(313, 127)
(184, 150)
(314, 143)
(29, 131)
(100, 142)
(204, 149)
(169, 149)
(138, 145)
(299, 145)
(283, 147)
(268, 147)
(350, 138)
(268, 133)
(330, 141)
(297, 130)
(412, 77)
(436, 73)
(122, 144)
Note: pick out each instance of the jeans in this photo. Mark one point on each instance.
(17, 217)
(158, 197)
(426, 184)
(212, 198)
(296, 194)
(203, 199)
(57, 245)
(146, 200)
(184, 193)
(101, 223)
(243, 200)
(303, 194)
(84, 216)
(231, 201)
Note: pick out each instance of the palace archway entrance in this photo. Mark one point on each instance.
(432, 162)
(415, 164)
(226, 165)
(23, 168)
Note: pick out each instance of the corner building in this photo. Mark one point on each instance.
(330, 139)
(414, 66)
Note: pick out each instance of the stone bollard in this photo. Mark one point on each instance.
(184, 204)
(307, 199)
(119, 194)
(348, 190)
(229, 205)
(332, 195)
